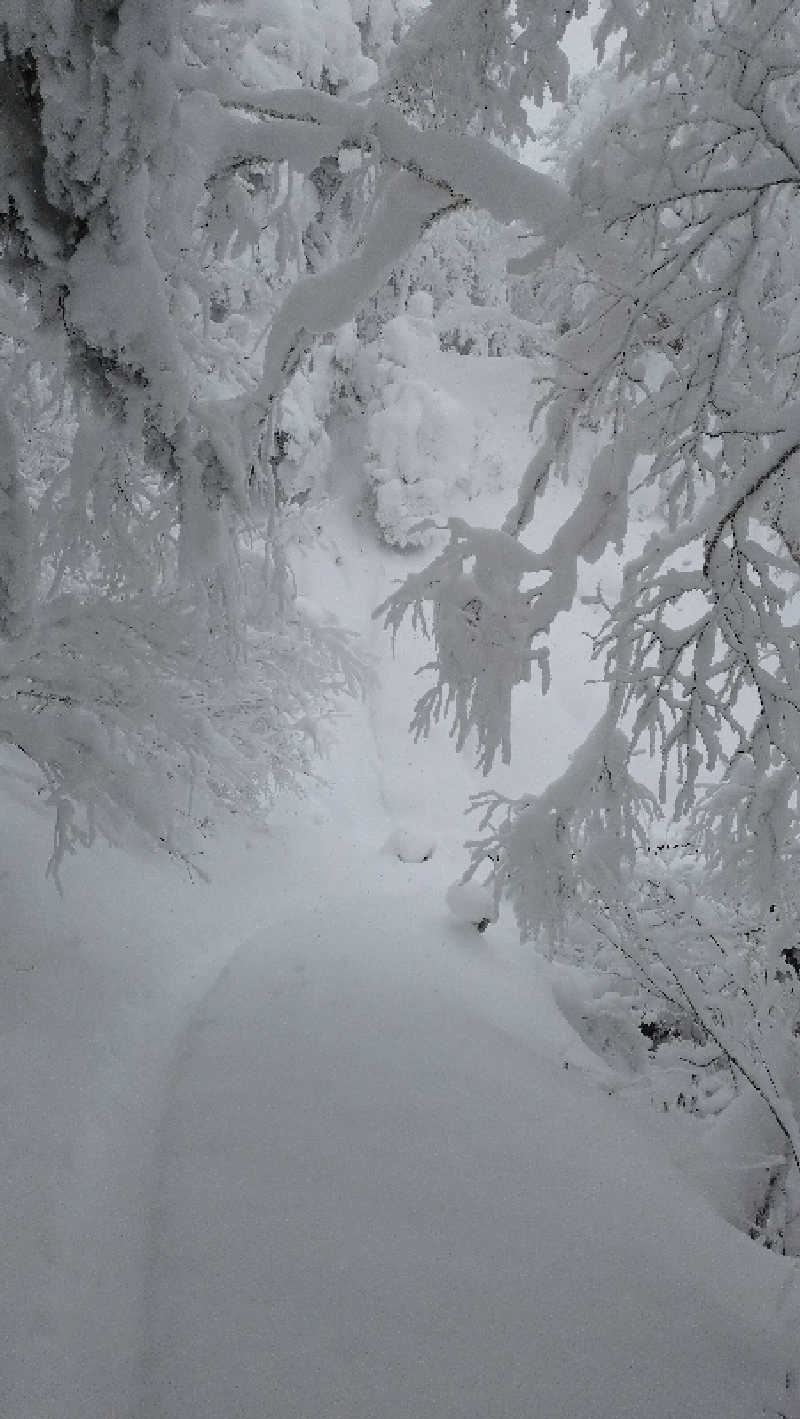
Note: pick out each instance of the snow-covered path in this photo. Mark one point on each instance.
(378, 1198)
(298, 1145)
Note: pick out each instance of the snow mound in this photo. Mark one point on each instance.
(410, 845)
(473, 902)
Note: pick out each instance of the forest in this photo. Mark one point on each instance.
(345, 342)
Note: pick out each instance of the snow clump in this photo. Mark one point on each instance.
(473, 902)
(410, 846)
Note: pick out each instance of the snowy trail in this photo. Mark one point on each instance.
(380, 1194)
(299, 1144)
(377, 1199)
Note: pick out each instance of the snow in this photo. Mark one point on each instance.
(296, 1143)
(410, 846)
(400, 1208)
(321, 303)
(472, 901)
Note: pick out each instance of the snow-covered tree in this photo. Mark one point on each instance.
(181, 188)
(148, 148)
(679, 349)
(681, 352)
(153, 656)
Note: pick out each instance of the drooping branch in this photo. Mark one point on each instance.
(427, 173)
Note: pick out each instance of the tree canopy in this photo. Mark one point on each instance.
(191, 196)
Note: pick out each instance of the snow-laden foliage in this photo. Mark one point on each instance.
(690, 995)
(472, 67)
(483, 623)
(420, 440)
(680, 351)
(677, 347)
(461, 262)
(488, 627)
(554, 850)
(190, 196)
(150, 666)
(686, 352)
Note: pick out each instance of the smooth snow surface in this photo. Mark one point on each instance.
(301, 1145)
(379, 1197)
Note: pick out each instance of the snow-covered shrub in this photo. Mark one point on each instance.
(426, 445)
(419, 440)
(708, 984)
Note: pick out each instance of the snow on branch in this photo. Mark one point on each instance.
(683, 351)
(483, 623)
(320, 303)
(471, 168)
(427, 173)
(550, 850)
